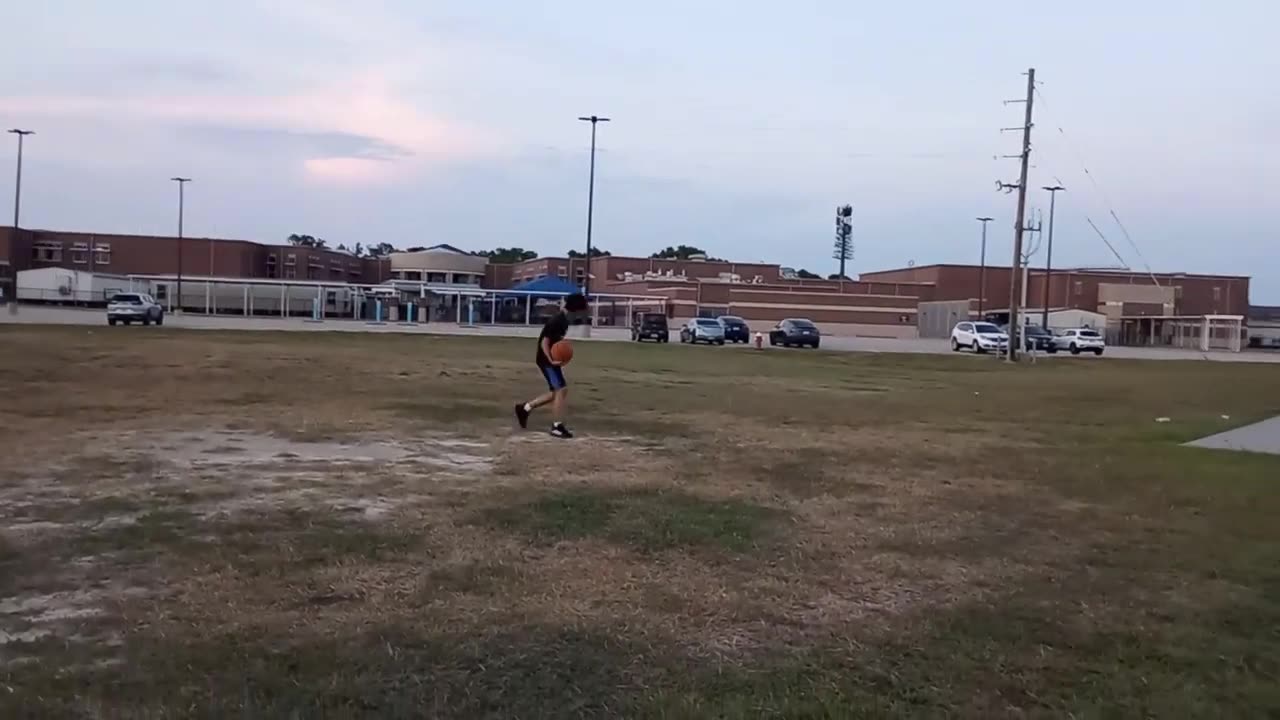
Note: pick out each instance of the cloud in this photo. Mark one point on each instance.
(311, 145)
(362, 115)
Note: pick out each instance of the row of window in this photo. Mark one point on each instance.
(436, 277)
(561, 272)
(44, 251)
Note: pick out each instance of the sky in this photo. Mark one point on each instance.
(737, 127)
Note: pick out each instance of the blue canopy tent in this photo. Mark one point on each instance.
(548, 286)
(534, 293)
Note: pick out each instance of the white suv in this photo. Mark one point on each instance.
(1078, 341)
(128, 307)
(979, 337)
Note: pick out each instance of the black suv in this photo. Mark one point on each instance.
(735, 329)
(651, 326)
(1037, 338)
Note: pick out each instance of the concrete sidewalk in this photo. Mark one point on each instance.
(1262, 437)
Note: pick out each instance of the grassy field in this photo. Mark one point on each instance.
(334, 525)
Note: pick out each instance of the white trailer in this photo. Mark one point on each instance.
(70, 287)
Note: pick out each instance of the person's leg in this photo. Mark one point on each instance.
(555, 382)
(539, 401)
(560, 393)
(560, 399)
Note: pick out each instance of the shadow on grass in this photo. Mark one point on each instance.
(387, 671)
(277, 542)
(646, 520)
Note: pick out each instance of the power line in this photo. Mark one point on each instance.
(1106, 199)
(1110, 247)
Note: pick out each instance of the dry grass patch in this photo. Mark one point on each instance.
(347, 525)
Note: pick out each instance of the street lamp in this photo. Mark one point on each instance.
(1048, 262)
(591, 196)
(17, 186)
(982, 268)
(182, 184)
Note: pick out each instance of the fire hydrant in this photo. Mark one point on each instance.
(759, 341)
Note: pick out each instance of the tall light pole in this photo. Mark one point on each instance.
(1048, 261)
(182, 184)
(17, 186)
(982, 268)
(591, 197)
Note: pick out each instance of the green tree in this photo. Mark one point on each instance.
(382, 249)
(310, 241)
(595, 252)
(682, 252)
(806, 275)
(508, 255)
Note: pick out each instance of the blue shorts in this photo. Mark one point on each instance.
(554, 376)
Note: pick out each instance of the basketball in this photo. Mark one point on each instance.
(562, 352)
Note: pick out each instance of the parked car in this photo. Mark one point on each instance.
(649, 326)
(735, 329)
(130, 307)
(795, 331)
(707, 330)
(978, 336)
(1080, 340)
(1035, 338)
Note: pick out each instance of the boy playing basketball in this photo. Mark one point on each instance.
(553, 331)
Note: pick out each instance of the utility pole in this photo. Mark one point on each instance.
(591, 197)
(17, 186)
(982, 267)
(1015, 276)
(844, 236)
(1048, 261)
(182, 184)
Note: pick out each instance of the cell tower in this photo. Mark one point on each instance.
(844, 236)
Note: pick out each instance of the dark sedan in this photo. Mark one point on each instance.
(795, 331)
(1037, 338)
(735, 329)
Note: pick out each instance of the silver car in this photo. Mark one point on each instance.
(134, 307)
(707, 330)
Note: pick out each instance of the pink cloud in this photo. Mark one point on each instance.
(365, 103)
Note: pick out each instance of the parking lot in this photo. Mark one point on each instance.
(45, 315)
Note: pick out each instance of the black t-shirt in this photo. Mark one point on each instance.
(556, 328)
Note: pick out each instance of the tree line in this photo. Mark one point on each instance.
(519, 254)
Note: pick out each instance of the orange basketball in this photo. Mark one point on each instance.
(562, 352)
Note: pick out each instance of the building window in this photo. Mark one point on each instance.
(291, 259)
(436, 278)
(1079, 288)
(290, 272)
(271, 265)
(1217, 294)
(563, 272)
(102, 254)
(80, 253)
(47, 251)
(579, 272)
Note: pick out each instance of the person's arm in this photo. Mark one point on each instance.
(546, 350)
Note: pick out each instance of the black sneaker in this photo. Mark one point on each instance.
(560, 431)
(522, 415)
